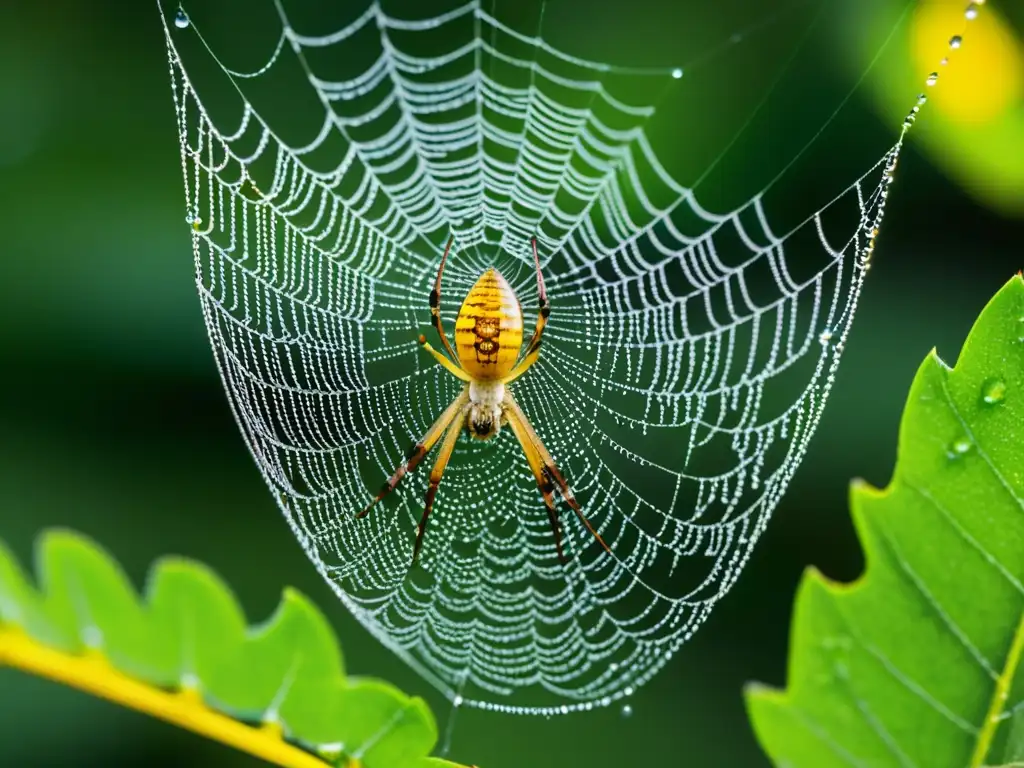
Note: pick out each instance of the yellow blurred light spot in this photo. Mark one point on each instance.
(985, 76)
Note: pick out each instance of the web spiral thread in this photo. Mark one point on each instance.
(687, 360)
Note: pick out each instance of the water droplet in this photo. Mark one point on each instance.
(993, 391)
(613, 666)
(921, 99)
(955, 42)
(932, 79)
(92, 638)
(457, 701)
(825, 337)
(331, 752)
(181, 19)
(944, 61)
(564, 710)
(971, 13)
(677, 72)
(627, 711)
(959, 447)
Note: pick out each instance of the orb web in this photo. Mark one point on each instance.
(687, 359)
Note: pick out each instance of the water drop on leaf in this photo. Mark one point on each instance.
(993, 391)
(959, 447)
(331, 752)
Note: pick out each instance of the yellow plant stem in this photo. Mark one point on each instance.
(94, 675)
(1002, 690)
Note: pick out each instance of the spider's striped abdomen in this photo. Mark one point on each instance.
(489, 329)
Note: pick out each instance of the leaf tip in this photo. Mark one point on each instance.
(62, 545)
(58, 538)
(861, 487)
(815, 579)
(754, 690)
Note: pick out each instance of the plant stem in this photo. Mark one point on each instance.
(94, 675)
(1002, 690)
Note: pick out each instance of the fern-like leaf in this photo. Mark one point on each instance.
(186, 654)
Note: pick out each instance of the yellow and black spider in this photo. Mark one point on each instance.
(489, 337)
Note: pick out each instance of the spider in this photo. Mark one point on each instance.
(489, 337)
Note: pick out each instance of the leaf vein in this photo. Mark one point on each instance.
(816, 729)
(955, 524)
(950, 624)
(876, 725)
(908, 682)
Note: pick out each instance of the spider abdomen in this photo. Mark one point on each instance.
(489, 328)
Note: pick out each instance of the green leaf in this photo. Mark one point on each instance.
(918, 662)
(190, 646)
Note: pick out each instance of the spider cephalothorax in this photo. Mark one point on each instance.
(489, 338)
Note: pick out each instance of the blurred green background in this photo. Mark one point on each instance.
(113, 421)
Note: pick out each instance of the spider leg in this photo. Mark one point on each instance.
(435, 477)
(451, 367)
(418, 451)
(533, 348)
(550, 469)
(544, 484)
(435, 303)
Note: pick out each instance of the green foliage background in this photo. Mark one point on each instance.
(113, 422)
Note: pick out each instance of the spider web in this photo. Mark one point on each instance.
(687, 359)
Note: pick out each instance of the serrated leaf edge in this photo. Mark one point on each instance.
(91, 672)
(861, 489)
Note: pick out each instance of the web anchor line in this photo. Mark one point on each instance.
(687, 359)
